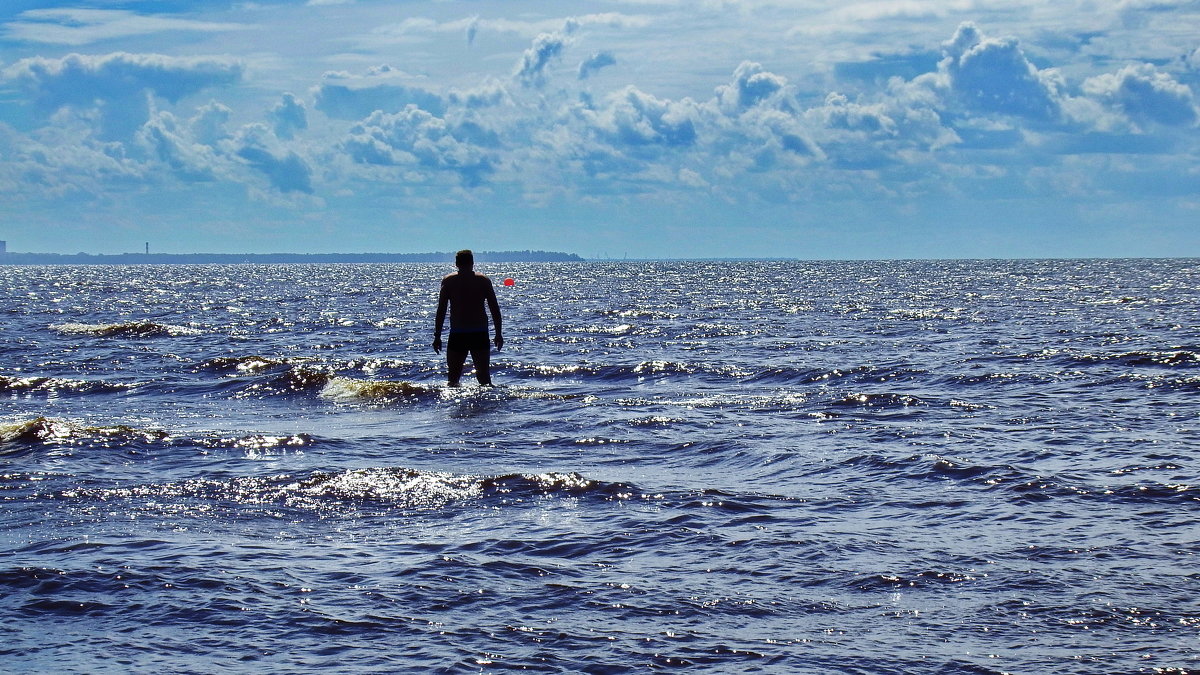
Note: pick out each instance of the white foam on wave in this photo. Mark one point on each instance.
(54, 430)
(400, 487)
(349, 389)
(56, 384)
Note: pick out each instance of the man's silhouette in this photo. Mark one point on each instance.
(466, 293)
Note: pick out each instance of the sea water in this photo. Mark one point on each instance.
(778, 467)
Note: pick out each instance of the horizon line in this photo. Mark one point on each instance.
(558, 256)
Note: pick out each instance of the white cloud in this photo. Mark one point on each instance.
(894, 9)
(631, 117)
(546, 47)
(569, 24)
(351, 97)
(594, 63)
(489, 93)
(692, 114)
(1145, 95)
(751, 86)
(690, 178)
(64, 161)
(472, 29)
(208, 126)
(289, 116)
(411, 26)
(79, 78)
(72, 26)
(286, 170)
(117, 86)
(993, 75)
(163, 136)
(841, 113)
(415, 137)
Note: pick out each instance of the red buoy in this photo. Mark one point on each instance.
(510, 282)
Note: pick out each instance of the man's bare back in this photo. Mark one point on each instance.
(466, 293)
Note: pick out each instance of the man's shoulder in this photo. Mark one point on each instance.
(460, 278)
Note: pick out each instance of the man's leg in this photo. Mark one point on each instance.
(482, 358)
(454, 365)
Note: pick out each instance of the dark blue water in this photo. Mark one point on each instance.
(859, 467)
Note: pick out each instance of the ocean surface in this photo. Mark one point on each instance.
(726, 467)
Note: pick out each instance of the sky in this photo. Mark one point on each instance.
(812, 129)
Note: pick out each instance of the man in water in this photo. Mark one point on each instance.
(465, 293)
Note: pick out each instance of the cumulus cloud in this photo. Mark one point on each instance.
(634, 118)
(166, 139)
(66, 163)
(899, 119)
(594, 63)
(289, 116)
(118, 86)
(286, 170)
(531, 70)
(352, 97)
(80, 79)
(993, 75)
(762, 139)
(1145, 95)
(859, 135)
(1192, 60)
(839, 112)
(549, 46)
(415, 137)
(751, 85)
(208, 125)
(489, 93)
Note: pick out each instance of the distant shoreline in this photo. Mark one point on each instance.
(11, 258)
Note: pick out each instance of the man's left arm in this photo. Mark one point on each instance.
(497, 320)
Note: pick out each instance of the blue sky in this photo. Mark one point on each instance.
(639, 128)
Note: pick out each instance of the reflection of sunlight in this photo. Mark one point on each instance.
(398, 487)
(563, 511)
(470, 401)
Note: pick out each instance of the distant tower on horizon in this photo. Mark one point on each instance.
(3, 247)
(147, 248)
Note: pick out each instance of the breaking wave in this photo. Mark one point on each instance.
(137, 329)
(56, 385)
(349, 389)
(19, 437)
(340, 492)
(24, 437)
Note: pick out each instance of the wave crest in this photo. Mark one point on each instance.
(125, 329)
(58, 385)
(349, 389)
(354, 490)
(242, 364)
(17, 437)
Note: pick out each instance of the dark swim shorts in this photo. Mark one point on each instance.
(468, 342)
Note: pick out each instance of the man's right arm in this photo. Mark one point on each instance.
(497, 320)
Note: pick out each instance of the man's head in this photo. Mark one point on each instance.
(464, 259)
